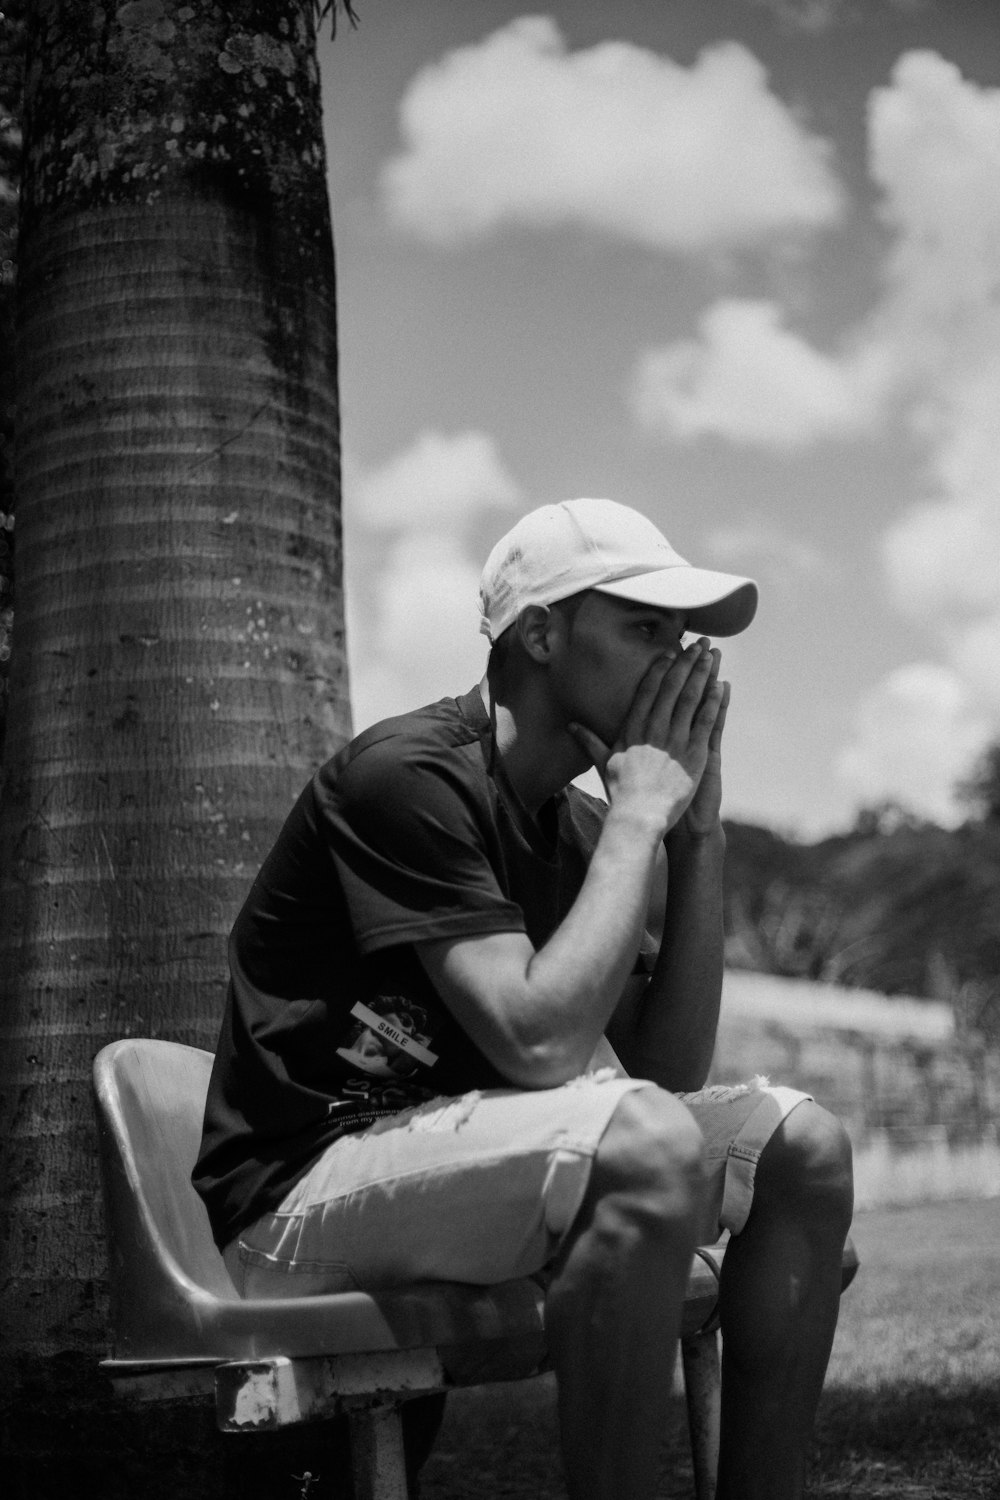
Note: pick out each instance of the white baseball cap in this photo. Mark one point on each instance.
(562, 549)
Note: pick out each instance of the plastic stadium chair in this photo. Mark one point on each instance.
(178, 1327)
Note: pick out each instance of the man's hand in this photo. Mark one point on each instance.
(702, 816)
(670, 733)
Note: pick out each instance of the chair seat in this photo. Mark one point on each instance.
(172, 1300)
(440, 1315)
(179, 1328)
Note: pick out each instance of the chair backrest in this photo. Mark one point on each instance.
(150, 1098)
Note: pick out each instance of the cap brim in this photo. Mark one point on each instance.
(716, 603)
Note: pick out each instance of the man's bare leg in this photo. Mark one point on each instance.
(614, 1306)
(780, 1300)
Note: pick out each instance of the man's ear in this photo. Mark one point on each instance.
(534, 628)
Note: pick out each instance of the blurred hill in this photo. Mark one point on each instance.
(896, 905)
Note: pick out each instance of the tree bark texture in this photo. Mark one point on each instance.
(179, 662)
(11, 91)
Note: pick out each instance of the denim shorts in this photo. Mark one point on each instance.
(480, 1188)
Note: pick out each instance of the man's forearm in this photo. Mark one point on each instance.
(673, 1030)
(539, 1014)
(576, 977)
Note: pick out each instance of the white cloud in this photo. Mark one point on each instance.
(917, 734)
(976, 653)
(423, 642)
(935, 154)
(749, 378)
(439, 481)
(932, 341)
(935, 151)
(616, 138)
(412, 584)
(944, 555)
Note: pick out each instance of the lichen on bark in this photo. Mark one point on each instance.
(122, 100)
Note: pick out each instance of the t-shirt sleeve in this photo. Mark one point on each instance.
(415, 845)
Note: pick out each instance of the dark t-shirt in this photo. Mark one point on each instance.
(408, 835)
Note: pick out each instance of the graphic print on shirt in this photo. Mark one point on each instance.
(388, 1038)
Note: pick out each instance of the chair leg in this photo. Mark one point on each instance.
(703, 1389)
(377, 1456)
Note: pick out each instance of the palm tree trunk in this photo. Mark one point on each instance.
(11, 74)
(179, 658)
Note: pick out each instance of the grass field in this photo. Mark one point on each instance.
(911, 1408)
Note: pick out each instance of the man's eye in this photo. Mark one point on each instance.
(648, 628)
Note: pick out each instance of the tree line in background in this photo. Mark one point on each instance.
(896, 904)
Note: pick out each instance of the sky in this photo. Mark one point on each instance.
(733, 262)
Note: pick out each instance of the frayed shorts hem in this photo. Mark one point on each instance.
(482, 1188)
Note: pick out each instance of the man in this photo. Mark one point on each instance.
(434, 978)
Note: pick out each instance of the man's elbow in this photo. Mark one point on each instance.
(544, 1064)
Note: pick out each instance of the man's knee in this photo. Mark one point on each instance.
(650, 1160)
(808, 1161)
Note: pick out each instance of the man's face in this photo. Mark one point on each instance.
(603, 652)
